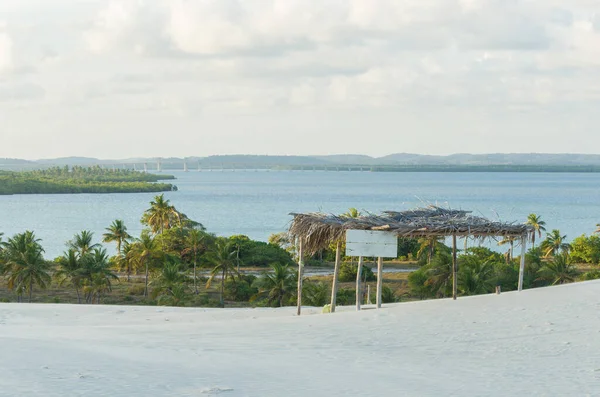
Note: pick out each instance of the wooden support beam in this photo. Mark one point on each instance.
(300, 274)
(358, 277)
(454, 268)
(336, 271)
(522, 264)
(379, 280)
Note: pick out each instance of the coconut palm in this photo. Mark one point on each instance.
(161, 215)
(352, 213)
(82, 243)
(554, 243)
(428, 246)
(194, 242)
(24, 264)
(223, 260)
(538, 226)
(69, 270)
(559, 270)
(316, 294)
(277, 286)
(511, 241)
(117, 232)
(168, 284)
(475, 276)
(97, 274)
(145, 253)
(176, 296)
(439, 274)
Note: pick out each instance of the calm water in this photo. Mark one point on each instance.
(258, 203)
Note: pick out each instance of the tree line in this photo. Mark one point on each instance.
(481, 270)
(175, 261)
(167, 256)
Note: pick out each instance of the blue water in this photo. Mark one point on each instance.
(258, 203)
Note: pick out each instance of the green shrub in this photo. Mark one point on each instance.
(316, 294)
(348, 273)
(586, 249)
(417, 282)
(388, 295)
(240, 290)
(258, 253)
(346, 296)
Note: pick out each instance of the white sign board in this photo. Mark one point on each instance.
(371, 243)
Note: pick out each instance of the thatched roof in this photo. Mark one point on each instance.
(318, 230)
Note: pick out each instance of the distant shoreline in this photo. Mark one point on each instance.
(405, 168)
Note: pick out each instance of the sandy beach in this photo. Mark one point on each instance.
(538, 342)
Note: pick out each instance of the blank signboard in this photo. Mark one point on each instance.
(371, 243)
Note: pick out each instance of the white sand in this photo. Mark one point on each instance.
(538, 342)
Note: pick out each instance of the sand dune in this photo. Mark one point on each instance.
(538, 342)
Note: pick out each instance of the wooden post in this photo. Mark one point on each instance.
(379, 280)
(454, 267)
(358, 277)
(336, 271)
(368, 294)
(300, 274)
(522, 264)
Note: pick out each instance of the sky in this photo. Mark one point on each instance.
(130, 78)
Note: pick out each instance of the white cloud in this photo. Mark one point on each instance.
(493, 64)
(6, 53)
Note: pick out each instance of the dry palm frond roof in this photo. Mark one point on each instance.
(318, 230)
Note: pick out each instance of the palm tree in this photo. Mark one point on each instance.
(145, 252)
(538, 225)
(554, 243)
(475, 276)
(439, 274)
(117, 232)
(559, 270)
(25, 264)
(194, 242)
(429, 245)
(82, 243)
(278, 285)
(167, 285)
(223, 259)
(70, 270)
(98, 276)
(316, 294)
(508, 240)
(161, 215)
(352, 213)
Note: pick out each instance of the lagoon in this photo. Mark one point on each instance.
(258, 203)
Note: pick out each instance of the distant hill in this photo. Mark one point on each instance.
(14, 162)
(88, 161)
(298, 162)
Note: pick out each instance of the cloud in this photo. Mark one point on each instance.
(20, 92)
(6, 53)
(191, 60)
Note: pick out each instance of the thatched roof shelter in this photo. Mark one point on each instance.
(316, 231)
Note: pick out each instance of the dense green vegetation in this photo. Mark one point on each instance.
(81, 180)
(176, 262)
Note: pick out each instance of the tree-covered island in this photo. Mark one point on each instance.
(82, 180)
